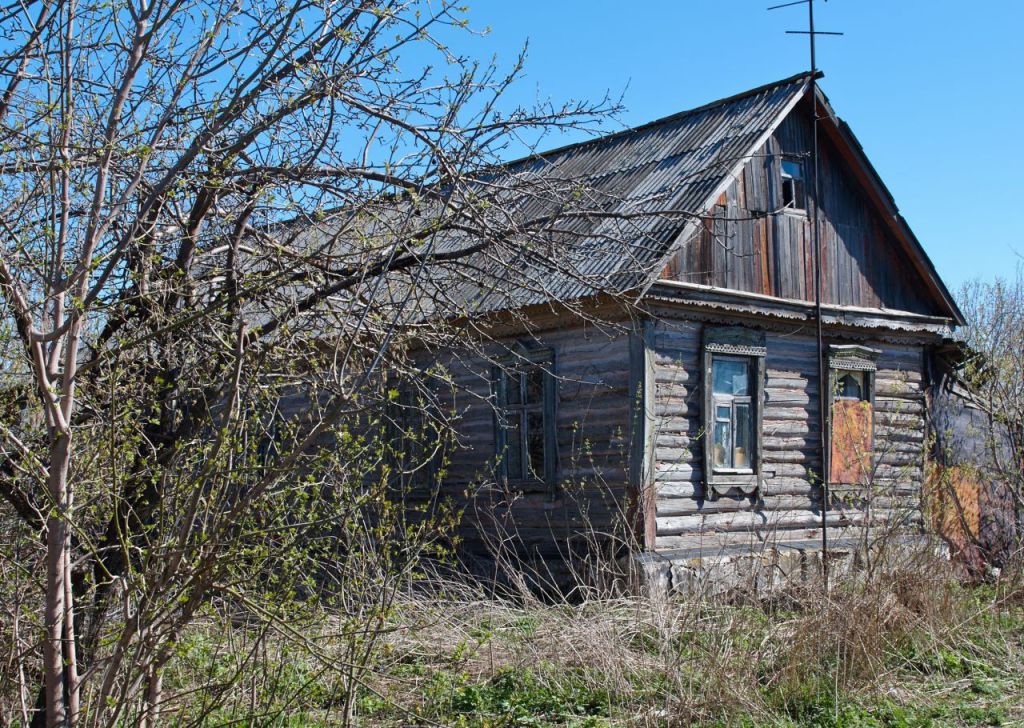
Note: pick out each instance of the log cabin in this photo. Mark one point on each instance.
(689, 429)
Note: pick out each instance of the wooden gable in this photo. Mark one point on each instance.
(748, 241)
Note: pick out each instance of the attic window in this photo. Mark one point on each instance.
(793, 184)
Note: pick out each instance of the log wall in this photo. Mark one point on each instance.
(789, 506)
(593, 414)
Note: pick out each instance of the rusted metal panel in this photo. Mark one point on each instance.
(852, 437)
(955, 495)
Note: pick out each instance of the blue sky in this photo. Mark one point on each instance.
(934, 90)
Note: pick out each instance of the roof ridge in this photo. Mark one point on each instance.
(802, 76)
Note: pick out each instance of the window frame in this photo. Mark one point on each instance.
(850, 358)
(517, 366)
(730, 401)
(410, 411)
(734, 343)
(798, 183)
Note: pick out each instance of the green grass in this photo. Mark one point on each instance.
(958, 662)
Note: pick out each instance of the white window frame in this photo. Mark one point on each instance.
(798, 183)
(737, 343)
(730, 401)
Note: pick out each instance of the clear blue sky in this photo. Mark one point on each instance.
(932, 88)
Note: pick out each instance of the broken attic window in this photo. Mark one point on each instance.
(793, 184)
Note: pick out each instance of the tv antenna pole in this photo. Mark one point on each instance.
(824, 396)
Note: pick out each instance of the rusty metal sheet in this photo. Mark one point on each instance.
(852, 437)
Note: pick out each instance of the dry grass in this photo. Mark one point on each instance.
(907, 646)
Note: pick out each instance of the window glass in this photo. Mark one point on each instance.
(731, 376)
(792, 169)
(534, 385)
(733, 426)
(792, 184)
(721, 445)
(850, 385)
(742, 451)
(513, 388)
(535, 443)
(513, 449)
(523, 422)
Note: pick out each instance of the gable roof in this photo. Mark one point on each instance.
(849, 146)
(652, 183)
(672, 165)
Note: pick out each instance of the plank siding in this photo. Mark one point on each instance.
(748, 243)
(593, 409)
(789, 506)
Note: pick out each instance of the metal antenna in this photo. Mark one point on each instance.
(824, 395)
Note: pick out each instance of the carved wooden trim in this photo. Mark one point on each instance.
(733, 341)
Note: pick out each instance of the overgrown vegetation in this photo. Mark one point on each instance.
(912, 647)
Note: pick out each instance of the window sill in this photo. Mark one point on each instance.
(527, 485)
(733, 471)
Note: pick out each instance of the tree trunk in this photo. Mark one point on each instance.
(57, 562)
(151, 708)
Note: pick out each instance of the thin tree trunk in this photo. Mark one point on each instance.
(151, 708)
(57, 541)
(70, 644)
(16, 646)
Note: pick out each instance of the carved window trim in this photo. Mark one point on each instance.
(733, 342)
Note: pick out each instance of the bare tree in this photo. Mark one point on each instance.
(211, 210)
(989, 433)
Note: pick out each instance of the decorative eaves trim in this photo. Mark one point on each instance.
(853, 357)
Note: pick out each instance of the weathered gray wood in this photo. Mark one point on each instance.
(863, 246)
(789, 439)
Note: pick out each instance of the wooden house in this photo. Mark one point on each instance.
(689, 426)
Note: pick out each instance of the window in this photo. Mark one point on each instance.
(734, 392)
(793, 184)
(849, 386)
(733, 432)
(525, 426)
(417, 442)
(852, 379)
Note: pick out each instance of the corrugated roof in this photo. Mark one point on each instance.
(648, 183)
(643, 178)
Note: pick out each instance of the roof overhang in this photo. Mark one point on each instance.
(700, 297)
(842, 137)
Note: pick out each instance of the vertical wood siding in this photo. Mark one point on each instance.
(748, 244)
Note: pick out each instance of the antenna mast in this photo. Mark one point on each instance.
(824, 395)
